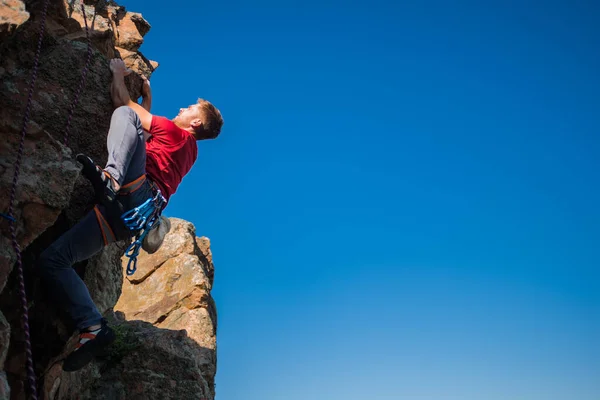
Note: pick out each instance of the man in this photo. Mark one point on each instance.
(145, 153)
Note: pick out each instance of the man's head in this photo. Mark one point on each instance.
(203, 120)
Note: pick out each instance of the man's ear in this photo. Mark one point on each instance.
(196, 123)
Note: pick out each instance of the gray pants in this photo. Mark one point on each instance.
(126, 163)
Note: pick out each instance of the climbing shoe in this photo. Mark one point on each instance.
(156, 236)
(90, 344)
(100, 180)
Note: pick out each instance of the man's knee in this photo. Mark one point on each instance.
(124, 115)
(51, 259)
(123, 112)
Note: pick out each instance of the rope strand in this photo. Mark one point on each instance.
(13, 229)
(31, 378)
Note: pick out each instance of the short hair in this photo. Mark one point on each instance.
(212, 120)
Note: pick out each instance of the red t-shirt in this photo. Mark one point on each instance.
(170, 154)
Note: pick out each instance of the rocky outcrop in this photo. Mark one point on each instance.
(145, 363)
(166, 353)
(13, 15)
(165, 321)
(171, 290)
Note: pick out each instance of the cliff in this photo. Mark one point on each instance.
(164, 315)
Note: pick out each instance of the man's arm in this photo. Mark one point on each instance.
(146, 95)
(120, 94)
(115, 95)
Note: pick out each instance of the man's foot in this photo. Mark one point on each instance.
(102, 182)
(91, 343)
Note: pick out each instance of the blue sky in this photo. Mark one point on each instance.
(404, 200)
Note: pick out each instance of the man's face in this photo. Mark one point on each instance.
(187, 115)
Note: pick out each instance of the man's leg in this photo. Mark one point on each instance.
(126, 155)
(69, 291)
(64, 284)
(126, 162)
(126, 147)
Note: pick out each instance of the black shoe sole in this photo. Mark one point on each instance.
(86, 353)
(102, 188)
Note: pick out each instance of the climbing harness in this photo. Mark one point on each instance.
(142, 220)
(13, 229)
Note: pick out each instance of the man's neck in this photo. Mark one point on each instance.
(189, 129)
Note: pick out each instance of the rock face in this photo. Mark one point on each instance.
(145, 363)
(171, 290)
(12, 16)
(166, 348)
(165, 320)
(48, 180)
(4, 339)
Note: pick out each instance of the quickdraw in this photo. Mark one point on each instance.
(141, 220)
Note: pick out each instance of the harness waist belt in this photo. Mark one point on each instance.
(133, 185)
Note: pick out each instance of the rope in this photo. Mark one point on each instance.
(31, 378)
(13, 229)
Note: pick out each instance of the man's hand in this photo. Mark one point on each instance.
(118, 90)
(120, 94)
(117, 67)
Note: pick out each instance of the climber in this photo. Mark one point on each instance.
(145, 153)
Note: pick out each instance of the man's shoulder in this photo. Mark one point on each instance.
(163, 123)
(167, 130)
